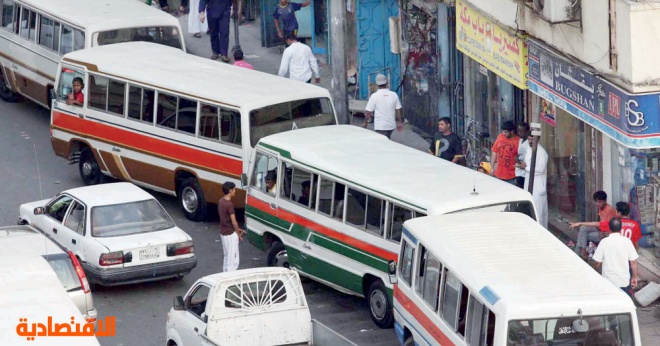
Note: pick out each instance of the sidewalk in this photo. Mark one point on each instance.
(268, 60)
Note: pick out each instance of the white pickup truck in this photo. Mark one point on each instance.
(259, 306)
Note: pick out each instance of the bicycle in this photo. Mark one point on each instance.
(477, 149)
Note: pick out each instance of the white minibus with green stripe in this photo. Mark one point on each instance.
(331, 202)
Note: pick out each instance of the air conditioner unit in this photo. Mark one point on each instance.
(558, 10)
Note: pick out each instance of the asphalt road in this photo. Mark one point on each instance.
(31, 170)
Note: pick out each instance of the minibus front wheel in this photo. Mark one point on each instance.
(276, 255)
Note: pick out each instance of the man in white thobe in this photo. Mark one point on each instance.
(539, 193)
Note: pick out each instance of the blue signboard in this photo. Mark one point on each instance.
(631, 119)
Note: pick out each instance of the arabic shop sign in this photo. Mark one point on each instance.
(491, 45)
(631, 119)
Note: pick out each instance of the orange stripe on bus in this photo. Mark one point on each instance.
(420, 317)
(152, 145)
(293, 218)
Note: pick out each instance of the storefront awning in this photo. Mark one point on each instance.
(630, 119)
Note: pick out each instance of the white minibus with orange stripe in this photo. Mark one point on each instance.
(331, 202)
(174, 122)
(34, 34)
(501, 279)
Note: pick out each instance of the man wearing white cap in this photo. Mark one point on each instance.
(383, 105)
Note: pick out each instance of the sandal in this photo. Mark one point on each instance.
(198, 35)
(224, 58)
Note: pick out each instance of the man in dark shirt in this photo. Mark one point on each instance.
(285, 11)
(304, 198)
(230, 233)
(446, 144)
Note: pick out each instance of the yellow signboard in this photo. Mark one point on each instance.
(491, 45)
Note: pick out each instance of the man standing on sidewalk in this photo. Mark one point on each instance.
(589, 231)
(230, 233)
(619, 259)
(446, 144)
(505, 153)
(219, 12)
(299, 62)
(383, 105)
(523, 146)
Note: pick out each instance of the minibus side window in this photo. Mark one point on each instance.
(186, 116)
(65, 84)
(301, 186)
(406, 262)
(209, 122)
(116, 96)
(338, 201)
(140, 104)
(98, 92)
(326, 192)
(478, 323)
(166, 113)
(355, 208)
(9, 14)
(230, 126)
(398, 215)
(46, 32)
(428, 278)
(375, 215)
(454, 302)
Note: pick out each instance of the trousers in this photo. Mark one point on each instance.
(219, 31)
(585, 235)
(230, 249)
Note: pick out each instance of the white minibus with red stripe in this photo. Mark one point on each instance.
(35, 34)
(501, 279)
(331, 202)
(174, 122)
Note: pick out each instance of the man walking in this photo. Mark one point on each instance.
(286, 11)
(299, 62)
(618, 257)
(505, 152)
(219, 12)
(383, 105)
(589, 230)
(230, 232)
(446, 144)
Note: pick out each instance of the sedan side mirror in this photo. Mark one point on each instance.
(38, 210)
(391, 270)
(244, 180)
(179, 304)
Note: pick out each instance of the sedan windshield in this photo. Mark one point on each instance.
(129, 218)
(573, 331)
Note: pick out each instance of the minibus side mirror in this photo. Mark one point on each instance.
(244, 181)
(178, 303)
(391, 270)
(38, 210)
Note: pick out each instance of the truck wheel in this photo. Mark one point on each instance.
(192, 201)
(5, 93)
(276, 255)
(90, 173)
(409, 341)
(380, 305)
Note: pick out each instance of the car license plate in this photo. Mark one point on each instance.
(147, 254)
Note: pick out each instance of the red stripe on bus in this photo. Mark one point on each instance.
(293, 218)
(146, 143)
(420, 317)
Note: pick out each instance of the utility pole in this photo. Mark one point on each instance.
(338, 47)
(237, 44)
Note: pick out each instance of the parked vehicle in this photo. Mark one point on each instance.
(119, 233)
(31, 294)
(331, 203)
(502, 279)
(20, 241)
(174, 122)
(259, 306)
(36, 33)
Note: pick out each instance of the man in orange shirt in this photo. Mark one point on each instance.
(589, 231)
(505, 152)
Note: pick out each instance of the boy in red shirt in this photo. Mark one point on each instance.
(505, 152)
(76, 97)
(629, 227)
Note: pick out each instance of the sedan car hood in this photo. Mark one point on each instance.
(133, 241)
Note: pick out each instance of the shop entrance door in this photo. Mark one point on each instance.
(269, 36)
(320, 39)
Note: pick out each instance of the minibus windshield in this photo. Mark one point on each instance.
(165, 35)
(573, 331)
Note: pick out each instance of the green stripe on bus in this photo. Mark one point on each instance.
(326, 271)
(267, 219)
(282, 152)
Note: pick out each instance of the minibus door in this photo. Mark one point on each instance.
(262, 189)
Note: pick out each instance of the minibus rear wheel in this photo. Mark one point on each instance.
(409, 341)
(380, 305)
(276, 255)
(192, 201)
(89, 169)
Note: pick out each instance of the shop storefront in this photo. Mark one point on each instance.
(598, 137)
(495, 68)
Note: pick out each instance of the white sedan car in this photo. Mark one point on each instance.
(119, 232)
